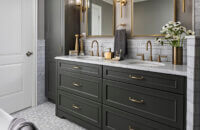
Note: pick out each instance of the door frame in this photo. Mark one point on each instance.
(35, 26)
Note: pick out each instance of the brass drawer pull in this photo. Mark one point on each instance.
(76, 67)
(130, 128)
(135, 77)
(75, 107)
(135, 100)
(76, 85)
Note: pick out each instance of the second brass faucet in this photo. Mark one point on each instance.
(147, 46)
(95, 41)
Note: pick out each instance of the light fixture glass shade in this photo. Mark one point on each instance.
(88, 4)
(78, 2)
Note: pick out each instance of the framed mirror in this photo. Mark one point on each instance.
(100, 18)
(149, 16)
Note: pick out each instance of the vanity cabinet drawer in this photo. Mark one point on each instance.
(81, 68)
(81, 108)
(114, 119)
(170, 83)
(81, 85)
(164, 107)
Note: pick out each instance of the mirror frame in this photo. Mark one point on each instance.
(146, 35)
(113, 19)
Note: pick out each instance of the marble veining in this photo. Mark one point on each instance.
(167, 68)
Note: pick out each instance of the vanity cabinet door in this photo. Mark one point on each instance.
(114, 119)
(80, 108)
(81, 68)
(81, 85)
(164, 107)
(170, 83)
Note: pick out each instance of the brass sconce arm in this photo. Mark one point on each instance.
(122, 3)
(82, 8)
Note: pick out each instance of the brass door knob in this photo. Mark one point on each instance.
(29, 53)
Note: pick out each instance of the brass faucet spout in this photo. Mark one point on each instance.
(147, 48)
(95, 41)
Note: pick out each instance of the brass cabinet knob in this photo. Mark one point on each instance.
(130, 128)
(136, 77)
(75, 107)
(76, 84)
(76, 67)
(136, 100)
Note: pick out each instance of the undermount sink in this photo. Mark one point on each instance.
(146, 63)
(89, 57)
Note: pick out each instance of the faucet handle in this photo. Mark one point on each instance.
(92, 53)
(159, 57)
(142, 56)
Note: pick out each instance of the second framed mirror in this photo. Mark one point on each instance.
(149, 16)
(100, 18)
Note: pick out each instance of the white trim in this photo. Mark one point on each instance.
(193, 15)
(34, 89)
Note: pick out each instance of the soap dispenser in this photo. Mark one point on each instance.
(108, 55)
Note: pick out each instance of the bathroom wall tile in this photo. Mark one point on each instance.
(41, 72)
(193, 84)
(137, 46)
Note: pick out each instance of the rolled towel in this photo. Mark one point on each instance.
(21, 124)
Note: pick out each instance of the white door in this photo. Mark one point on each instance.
(96, 19)
(16, 68)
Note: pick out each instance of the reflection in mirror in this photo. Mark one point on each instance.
(149, 16)
(100, 17)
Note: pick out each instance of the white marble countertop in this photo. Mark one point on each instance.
(163, 67)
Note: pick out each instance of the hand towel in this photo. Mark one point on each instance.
(121, 42)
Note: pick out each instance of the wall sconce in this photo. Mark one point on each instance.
(183, 6)
(82, 8)
(122, 3)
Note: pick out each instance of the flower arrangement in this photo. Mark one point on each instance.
(174, 34)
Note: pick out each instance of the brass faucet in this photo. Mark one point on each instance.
(95, 41)
(147, 45)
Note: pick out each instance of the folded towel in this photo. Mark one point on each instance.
(121, 42)
(21, 124)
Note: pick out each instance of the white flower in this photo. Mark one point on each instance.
(171, 22)
(183, 29)
(159, 40)
(176, 38)
(175, 29)
(168, 36)
(163, 31)
(190, 32)
(177, 24)
(164, 27)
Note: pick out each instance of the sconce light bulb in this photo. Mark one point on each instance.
(78, 2)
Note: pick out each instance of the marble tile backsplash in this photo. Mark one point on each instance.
(135, 46)
(41, 72)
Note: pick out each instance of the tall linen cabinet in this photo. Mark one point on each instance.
(62, 22)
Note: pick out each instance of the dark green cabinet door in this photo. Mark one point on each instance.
(114, 119)
(81, 68)
(82, 85)
(164, 107)
(78, 107)
(165, 82)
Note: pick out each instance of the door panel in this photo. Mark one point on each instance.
(16, 38)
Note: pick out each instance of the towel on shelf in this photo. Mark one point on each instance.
(21, 124)
(121, 42)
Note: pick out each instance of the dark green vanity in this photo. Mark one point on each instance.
(100, 97)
